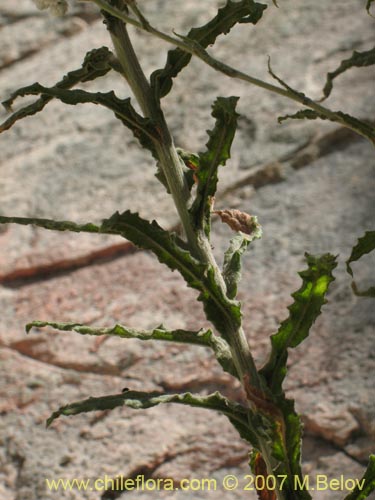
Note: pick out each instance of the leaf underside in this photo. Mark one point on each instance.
(364, 128)
(203, 338)
(233, 256)
(138, 400)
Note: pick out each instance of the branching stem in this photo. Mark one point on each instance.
(172, 169)
(195, 49)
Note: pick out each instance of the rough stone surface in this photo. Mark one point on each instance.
(311, 187)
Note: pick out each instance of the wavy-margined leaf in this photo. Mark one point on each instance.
(308, 301)
(244, 11)
(191, 162)
(232, 260)
(365, 245)
(149, 236)
(203, 338)
(222, 312)
(142, 128)
(217, 153)
(97, 63)
(138, 400)
(366, 485)
(165, 245)
(51, 224)
(359, 126)
(357, 59)
(225, 314)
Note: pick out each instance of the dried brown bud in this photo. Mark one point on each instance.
(239, 221)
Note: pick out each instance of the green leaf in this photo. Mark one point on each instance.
(232, 261)
(359, 126)
(97, 63)
(365, 245)
(142, 128)
(287, 440)
(225, 314)
(168, 247)
(308, 301)
(366, 484)
(309, 114)
(203, 338)
(149, 236)
(191, 164)
(244, 11)
(283, 434)
(370, 292)
(293, 442)
(51, 224)
(138, 400)
(216, 154)
(357, 59)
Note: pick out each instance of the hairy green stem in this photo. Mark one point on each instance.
(198, 241)
(239, 345)
(172, 169)
(166, 151)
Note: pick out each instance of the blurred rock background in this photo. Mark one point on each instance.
(311, 185)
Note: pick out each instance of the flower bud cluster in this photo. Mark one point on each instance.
(56, 7)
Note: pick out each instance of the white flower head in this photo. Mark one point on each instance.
(56, 7)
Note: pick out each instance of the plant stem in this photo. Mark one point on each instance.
(167, 154)
(194, 48)
(172, 169)
(198, 241)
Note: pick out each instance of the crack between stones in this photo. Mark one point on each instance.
(26, 275)
(12, 18)
(111, 370)
(335, 447)
(274, 172)
(148, 470)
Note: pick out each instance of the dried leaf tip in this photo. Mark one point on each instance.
(241, 222)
